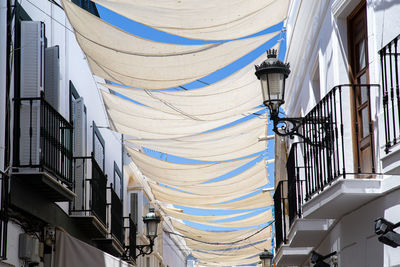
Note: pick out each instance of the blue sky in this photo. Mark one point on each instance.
(152, 34)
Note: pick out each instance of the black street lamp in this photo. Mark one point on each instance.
(266, 258)
(273, 73)
(151, 220)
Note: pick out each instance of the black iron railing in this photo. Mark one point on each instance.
(326, 161)
(280, 218)
(130, 244)
(45, 138)
(294, 185)
(390, 67)
(90, 189)
(116, 216)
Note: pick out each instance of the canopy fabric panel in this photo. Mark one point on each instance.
(260, 240)
(239, 255)
(253, 221)
(237, 129)
(182, 174)
(251, 178)
(141, 126)
(211, 150)
(216, 262)
(206, 20)
(154, 69)
(172, 196)
(208, 236)
(233, 103)
(260, 200)
(179, 214)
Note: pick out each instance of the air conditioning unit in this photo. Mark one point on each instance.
(32, 84)
(52, 76)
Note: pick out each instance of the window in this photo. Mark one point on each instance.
(98, 147)
(147, 261)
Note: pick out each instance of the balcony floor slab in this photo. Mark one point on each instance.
(342, 197)
(308, 232)
(287, 256)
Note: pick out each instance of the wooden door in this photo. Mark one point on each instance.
(359, 73)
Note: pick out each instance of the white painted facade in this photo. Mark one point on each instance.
(73, 68)
(340, 217)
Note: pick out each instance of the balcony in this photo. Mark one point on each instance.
(114, 242)
(89, 208)
(390, 67)
(328, 178)
(42, 150)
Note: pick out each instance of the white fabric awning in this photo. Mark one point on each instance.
(179, 214)
(182, 174)
(73, 252)
(203, 19)
(106, 49)
(252, 221)
(251, 178)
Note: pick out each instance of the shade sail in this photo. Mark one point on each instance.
(233, 130)
(179, 214)
(251, 178)
(153, 68)
(226, 256)
(213, 149)
(260, 200)
(255, 220)
(209, 236)
(127, 122)
(214, 107)
(217, 262)
(182, 174)
(171, 196)
(203, 19)
(259, 241)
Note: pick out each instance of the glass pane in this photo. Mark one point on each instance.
(361, 55)
(275, 82)
(364, 94)
(117, 184)
(365, 122)
(264, 87)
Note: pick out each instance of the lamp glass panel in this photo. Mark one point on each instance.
(151, 229)
(275, 85)
(266, 262)
(264, 87)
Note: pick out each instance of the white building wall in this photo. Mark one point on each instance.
(317, 35)
(172, 256)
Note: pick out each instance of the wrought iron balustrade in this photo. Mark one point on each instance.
(43, 139)
(280, 203)
(330, 160)
(129, 230)
(90, 185)
(390, 67)
(294, 185)
(117, 226)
